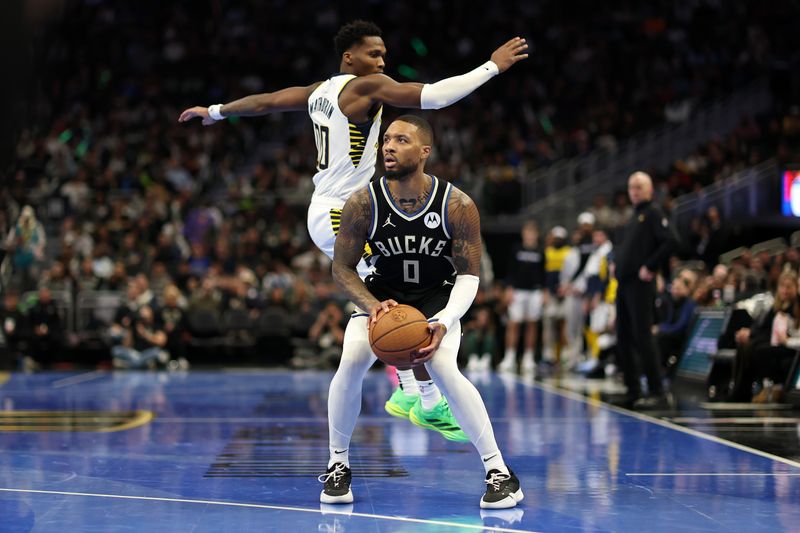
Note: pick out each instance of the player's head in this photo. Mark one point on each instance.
(640, 188)
(360, 48)
(683, 285)
(530, 233)
(406, 146)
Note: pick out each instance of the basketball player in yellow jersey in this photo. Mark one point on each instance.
(346, 113)
(429, 258)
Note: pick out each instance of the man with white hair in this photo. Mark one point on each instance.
(646, 242)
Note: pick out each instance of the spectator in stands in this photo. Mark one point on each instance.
(126, 313)
(143, 343)
(673, 330)
(762, 350)
(603, 215)
(14, 328)
(47, 329)
(712, 237)
(159, 279)
(172, 318)
(87, 281)
(117, 280)
(206, 296)
(27, 241)
(57, 279)
(328, 332)
(622, 210)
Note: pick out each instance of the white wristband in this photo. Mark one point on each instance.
(214, 111)
(449, 91)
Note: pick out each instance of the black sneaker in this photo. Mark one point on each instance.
(502, 490)
(337, 485)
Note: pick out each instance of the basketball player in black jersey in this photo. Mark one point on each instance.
(425, 236)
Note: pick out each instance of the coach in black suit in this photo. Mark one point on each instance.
(645, 243)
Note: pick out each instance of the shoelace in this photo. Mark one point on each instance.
(336, 474)
(496, 479)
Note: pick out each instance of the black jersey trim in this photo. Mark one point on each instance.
(421, 211)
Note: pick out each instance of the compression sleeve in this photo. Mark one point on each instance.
(461, 297)
(451, 90)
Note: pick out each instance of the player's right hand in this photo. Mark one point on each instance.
(198, 111)
(378, 308)
(510, 53)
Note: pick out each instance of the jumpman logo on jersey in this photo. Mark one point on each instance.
(388, 222)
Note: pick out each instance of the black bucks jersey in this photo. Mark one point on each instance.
(412, 253)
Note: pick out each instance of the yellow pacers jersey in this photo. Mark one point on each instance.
(554, 258)
(346, 152)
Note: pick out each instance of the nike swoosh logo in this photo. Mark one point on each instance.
(340, 451)
(490, 458)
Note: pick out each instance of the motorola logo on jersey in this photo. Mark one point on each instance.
(432, 220)
(409, 245)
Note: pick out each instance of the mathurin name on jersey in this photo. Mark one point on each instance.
(323, 105)
(407, 246)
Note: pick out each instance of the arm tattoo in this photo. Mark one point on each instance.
(349, 246)
(465, 224)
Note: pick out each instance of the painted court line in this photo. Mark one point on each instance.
(80, 378)
(475, 527)
(714, 474)
(663, 423)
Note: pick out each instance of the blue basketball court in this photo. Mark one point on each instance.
(241, 450)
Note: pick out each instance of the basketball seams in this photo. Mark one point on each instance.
(376, 340)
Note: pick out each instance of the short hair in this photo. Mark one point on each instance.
(352, 33)
(423, 126)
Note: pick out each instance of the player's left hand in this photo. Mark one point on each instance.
(425, 354)
(510, 53)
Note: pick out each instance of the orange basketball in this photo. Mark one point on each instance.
(397, 334)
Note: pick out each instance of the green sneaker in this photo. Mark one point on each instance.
(440, 419)
(400, 404)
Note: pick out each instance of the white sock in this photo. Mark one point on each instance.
(429, 394)
(408, 383)
(494, 461)
(511, 355)
(339, 456)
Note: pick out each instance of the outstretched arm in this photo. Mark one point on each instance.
(465, 229)
(290, 99)
(347, 250)
(383, 89)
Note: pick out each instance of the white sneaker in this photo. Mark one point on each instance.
(473, 363)
(508, 366)
(486, 362)
(528, 366)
